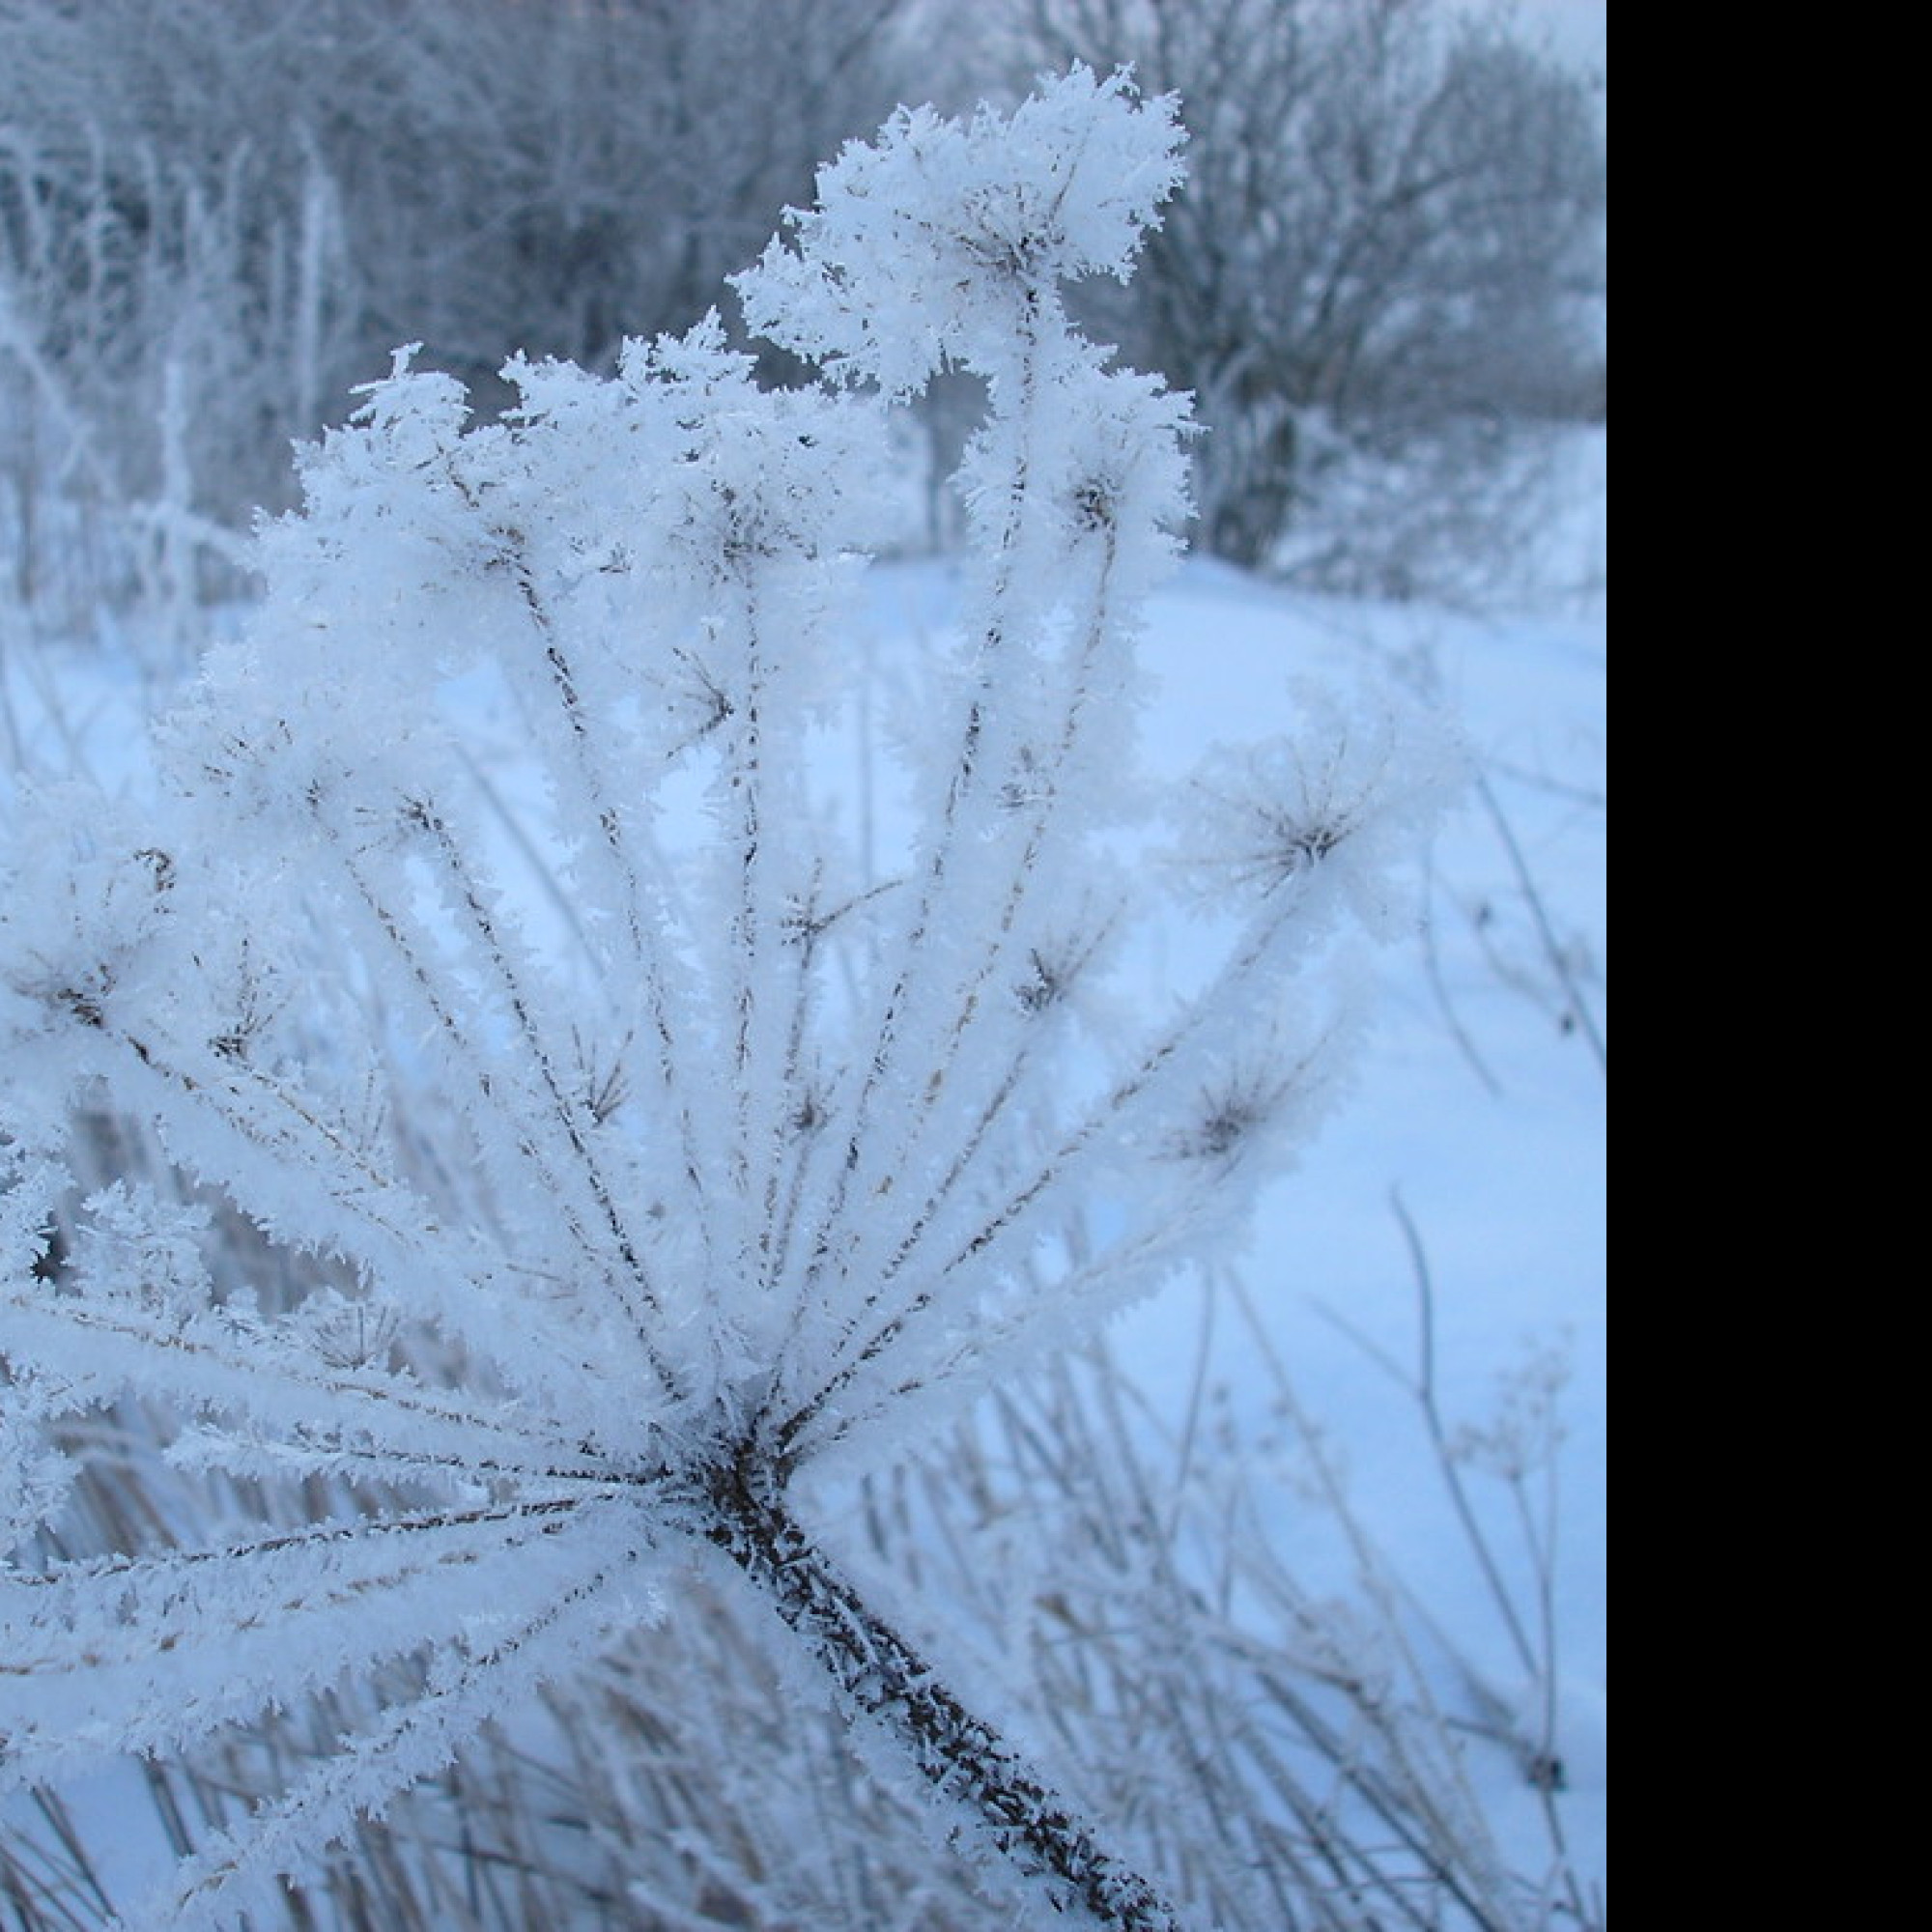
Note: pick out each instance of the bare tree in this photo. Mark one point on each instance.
(564, 176)
(217, 218)
(176, 294)
(1390, 225)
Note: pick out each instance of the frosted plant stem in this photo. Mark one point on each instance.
(963, 784)
(1576, 1006)
(309, 1536)
(564, 1108)
(490, 1092)
(416, 1736)
(489, 1089)
(643, 909)
(1432, 960)
(1023, 884)
(254, 1376)
(542, 874)
(1546, 1771)
(772, 944)
(1404, 1806)
(294, 1129)
(1438, 1441)
(781, 1217)
(1108, 1116)
(1428, 1791)
(885, 1678)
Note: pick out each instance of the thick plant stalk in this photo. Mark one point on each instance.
(882, 1677)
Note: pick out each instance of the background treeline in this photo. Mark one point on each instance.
(217, 216)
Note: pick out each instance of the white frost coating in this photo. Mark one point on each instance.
(746, 1158)
(945, 241)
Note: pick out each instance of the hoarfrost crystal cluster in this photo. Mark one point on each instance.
(748, 1164)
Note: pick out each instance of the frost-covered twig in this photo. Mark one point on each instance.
(1576, 1010)
(1519, 1445)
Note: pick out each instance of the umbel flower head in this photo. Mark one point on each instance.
(628, 1150)
(940, 243)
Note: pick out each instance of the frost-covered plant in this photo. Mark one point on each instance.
(768, 1164)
